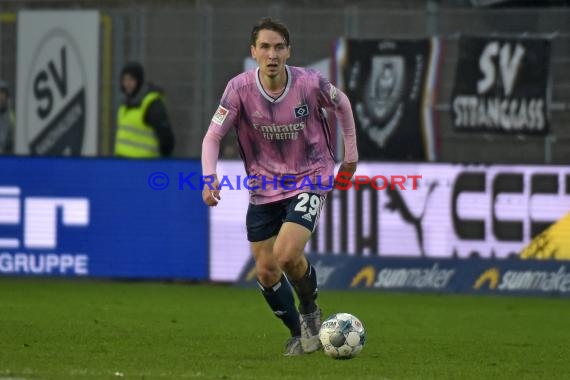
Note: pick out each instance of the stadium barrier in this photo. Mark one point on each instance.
(101, 218)
(475, 276)
(455, 211)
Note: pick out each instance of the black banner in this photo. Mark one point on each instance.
(384, 80)
(501, 85)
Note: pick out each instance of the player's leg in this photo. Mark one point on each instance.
(274, 286)
(302, 217)
(289, 251)
(263, 223)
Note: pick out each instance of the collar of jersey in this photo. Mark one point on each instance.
(265, 94)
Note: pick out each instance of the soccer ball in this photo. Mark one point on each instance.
(342, 336)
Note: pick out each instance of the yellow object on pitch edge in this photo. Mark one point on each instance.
(552, 244)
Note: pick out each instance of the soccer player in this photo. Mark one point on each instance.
(286, 145)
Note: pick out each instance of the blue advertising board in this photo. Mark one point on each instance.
(101, 217)
(511, 276)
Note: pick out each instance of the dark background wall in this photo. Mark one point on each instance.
(192, 48)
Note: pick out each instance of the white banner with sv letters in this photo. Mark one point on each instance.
(58, 70)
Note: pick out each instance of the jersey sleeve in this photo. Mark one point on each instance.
(333, 99)
(328, 94)
(227, 113)
(224, 118)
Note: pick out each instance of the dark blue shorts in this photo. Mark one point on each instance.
(265, 221)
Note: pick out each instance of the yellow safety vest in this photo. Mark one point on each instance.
(135, 138)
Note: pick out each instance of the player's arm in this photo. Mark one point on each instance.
(348, 127)
(336, 101)
(223, 119)
(210, 153)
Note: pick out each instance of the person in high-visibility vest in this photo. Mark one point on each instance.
(143, 126)
(7, 120)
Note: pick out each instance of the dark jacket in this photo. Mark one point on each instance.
(156, 116)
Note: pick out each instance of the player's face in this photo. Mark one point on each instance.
(129, 84)
(270, 52)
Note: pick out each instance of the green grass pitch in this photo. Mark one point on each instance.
(83, 329)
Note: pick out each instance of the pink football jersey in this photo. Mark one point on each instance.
(285, 142)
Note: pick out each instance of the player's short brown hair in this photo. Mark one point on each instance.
(269, 24)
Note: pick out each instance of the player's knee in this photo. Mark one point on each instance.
(288, 262)
(286, 251)
(268, 276)
(284, 262)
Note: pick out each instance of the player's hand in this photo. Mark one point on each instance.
(211, 196)
(345, 172)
